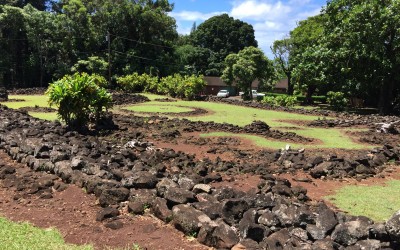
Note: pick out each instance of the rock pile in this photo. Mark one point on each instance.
(120, 98)
(334, 167)
(177, 190)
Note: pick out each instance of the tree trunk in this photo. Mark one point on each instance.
(386, 96)
(290, 89)
(310, 91)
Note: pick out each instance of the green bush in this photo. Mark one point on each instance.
(336, 100)
(137, 83)
(280, 100)
(270, 100)
(181, 86)
(79, 98)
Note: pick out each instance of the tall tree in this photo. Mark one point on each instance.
(246, 66)
(364, 37)
(282, 51)
(307, 56)
(223, 35)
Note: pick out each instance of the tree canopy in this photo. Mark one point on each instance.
(222, 35)
(246, 66)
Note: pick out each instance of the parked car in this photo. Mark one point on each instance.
(223, 93)
(255, 94)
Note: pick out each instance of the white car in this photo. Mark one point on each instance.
(254, 93)
(223, 93)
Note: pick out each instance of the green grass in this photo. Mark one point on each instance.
(29, 101)
(23, 236)
(327, 140)
(235, 115)
(376, 202)
(160, 109)
(241, 116)
(45, 115)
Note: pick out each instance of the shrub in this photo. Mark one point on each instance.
(336, 100)
(280, 100)
(137, 83)
(270, 100)
(78, 98)
(181, 86)
(286, 101)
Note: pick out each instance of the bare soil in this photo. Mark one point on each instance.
(73, 213)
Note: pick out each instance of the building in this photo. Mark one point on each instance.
(281, 86)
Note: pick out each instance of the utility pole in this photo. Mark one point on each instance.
(109, 58)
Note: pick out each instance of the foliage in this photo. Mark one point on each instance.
(286, 101)
(222, 35)
(307, 57)
(138, 83)
(246, 66)
(280, 100)
(336, 100)
(93, 65)
(78, 99)
(282, 50)
(181, 86)
(39, 45)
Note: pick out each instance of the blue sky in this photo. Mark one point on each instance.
(271, 19)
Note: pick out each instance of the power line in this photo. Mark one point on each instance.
(153, 44)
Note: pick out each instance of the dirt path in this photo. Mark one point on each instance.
(73, 213)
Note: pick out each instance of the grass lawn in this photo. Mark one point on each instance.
(45, 115)
(241, 116)
(376, 202)
(23, 236)
(159, 109)
(29, 101)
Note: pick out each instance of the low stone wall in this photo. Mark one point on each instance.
(176, 188)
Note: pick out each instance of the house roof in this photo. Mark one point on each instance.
(217, 81)
(282, 84)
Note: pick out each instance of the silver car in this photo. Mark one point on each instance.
(223, 93)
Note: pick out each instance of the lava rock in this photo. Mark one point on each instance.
(188, 219)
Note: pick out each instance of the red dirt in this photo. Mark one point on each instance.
(73, 213)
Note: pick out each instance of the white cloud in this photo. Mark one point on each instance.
(258, 10)
(193, 15)
(271, 19)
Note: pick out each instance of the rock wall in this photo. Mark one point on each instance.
(177, 189)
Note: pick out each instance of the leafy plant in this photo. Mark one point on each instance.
(270, 100)
(280, 100)
(336, 100)
(138, 83)
(286, 101)
(79, 98)
(181, 86)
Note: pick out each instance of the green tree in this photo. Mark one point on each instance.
(222, 35)
(308, 59)
(282, 51)
(245, 67)
(365, 40)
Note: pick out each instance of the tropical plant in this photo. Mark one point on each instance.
(79, 98)
(138, 83)
(336, 100)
